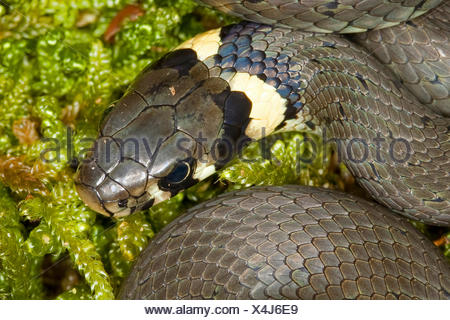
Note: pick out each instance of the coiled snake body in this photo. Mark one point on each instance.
(382, 99)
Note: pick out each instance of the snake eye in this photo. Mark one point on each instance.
(180, 176)
(179, 173)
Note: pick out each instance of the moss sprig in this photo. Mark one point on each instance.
(284, 159)
(69, 223)
(19, 270)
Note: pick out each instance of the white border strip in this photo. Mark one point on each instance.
(248, 310)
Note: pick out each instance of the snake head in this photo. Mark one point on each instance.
(164, 135)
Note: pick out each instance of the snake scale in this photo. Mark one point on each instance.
(372, 76)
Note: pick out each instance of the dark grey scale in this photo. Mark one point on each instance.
(260, 45)
(294, 83)
(293, 106)
(283, 59)
(237, 109)
(298, 105)
(244, 52)
(131, 175)
(249, 28)
(215, 71)
(311, 125)
(227, 49)
(262, 77)
(91, 194)
(229, 31)
(257, 68)
(167, 86)
(110, 190)
(258, 35)
(270, 72)
(243, 64)
(294, 75)
(106, 153)
(179, 146)
(228, 61)
(328, 13)
(283, 76)
(134, 141)
(270, 62)
(329, 44)
(282, 67)
(293, 97)
(198, 115)
(274, 82)
(123, 112)
(243, 41)
(199, 72)
(230, 38)
(263, 28)
(232, 132)
(181, 60)
(329, 5)
(272, 54)
(146, 205)
(232, 33)
(228, 73)
(220, 98)
(257, 55)
(212, 61)
(290, 113)
(284, 90)
(91, 174)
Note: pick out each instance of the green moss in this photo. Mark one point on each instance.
(19, 269)
(57, 68)
(447, 245)
(80, 292)
(286, 158)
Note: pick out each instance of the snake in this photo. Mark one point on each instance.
(372, 76)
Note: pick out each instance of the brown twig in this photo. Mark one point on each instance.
(130, 12)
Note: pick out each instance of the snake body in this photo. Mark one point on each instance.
(289, 242)
(188, 114)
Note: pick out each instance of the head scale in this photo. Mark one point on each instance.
(164, 135)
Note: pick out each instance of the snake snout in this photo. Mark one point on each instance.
(115, 194)
(90, 197)
(111, 183)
